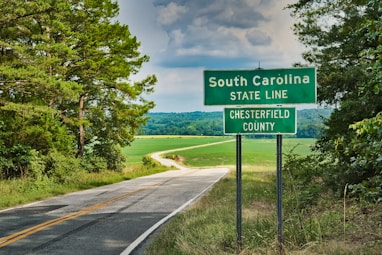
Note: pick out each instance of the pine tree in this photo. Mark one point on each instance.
(65, 68)
(32, 78)
(110, 107)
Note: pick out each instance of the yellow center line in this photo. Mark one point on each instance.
(4, 241)
(29, 231)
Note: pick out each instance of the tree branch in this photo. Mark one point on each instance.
(8, 21)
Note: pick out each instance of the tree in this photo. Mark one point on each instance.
(110, 108)
(32, 78)
(343, 38)
(341, 46)
(64, 78)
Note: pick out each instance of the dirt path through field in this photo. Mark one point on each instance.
(172, 163)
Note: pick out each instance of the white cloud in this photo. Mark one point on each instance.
(177, 37)
(183, 37)
(171, 13)
(237, 32)
(257, 37)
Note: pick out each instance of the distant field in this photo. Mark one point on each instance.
(144, 145)
(255, 152)
(259, 152)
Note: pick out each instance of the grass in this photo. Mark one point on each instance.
(20, 191)
(209, 226)
(144, 145)
(255, 152)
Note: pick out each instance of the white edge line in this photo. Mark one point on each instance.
(142, 237)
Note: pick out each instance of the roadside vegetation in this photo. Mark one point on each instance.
(316, 220)
(20, 191)
(24, 190)
(76, 175)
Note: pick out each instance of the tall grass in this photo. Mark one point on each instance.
(21, 191)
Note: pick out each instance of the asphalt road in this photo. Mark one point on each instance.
(112, 219)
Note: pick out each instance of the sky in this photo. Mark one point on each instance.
(185, 37)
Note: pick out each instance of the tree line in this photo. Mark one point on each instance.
(309, 123)
(66, 100)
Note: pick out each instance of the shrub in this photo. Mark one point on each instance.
(36, 166)
(304, 186)
(5, 163)
(113, 155)
(361, 158)
(93, 164)
(15, 161)
(303, 180)
(148, 162)
(61, 168)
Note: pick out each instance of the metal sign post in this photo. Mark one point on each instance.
(238, 193)
(279, 194)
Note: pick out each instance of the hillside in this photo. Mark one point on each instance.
(309, 123)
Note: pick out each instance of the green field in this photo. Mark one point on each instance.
(144, 145)
(255, 152)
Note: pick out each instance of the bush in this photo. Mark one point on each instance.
(61, 168)
(148, 162)
(5, 163)
(36, 166)
(369, 190)
(15, 161)
(113, 155)
(303, 180)
(304, 187)
(361, 159)
(93, 164)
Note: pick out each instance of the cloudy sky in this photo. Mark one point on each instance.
(185, 37)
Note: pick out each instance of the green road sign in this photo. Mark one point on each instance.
(269, 120)
(260, 86)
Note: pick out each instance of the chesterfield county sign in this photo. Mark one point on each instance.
(272, 120)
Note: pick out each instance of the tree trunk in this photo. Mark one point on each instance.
(81, 130)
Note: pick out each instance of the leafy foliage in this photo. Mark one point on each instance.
(364, 154)
(344, 43)
(310, 122)
(65, 86)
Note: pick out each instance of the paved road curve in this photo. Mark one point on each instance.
(112, 219)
